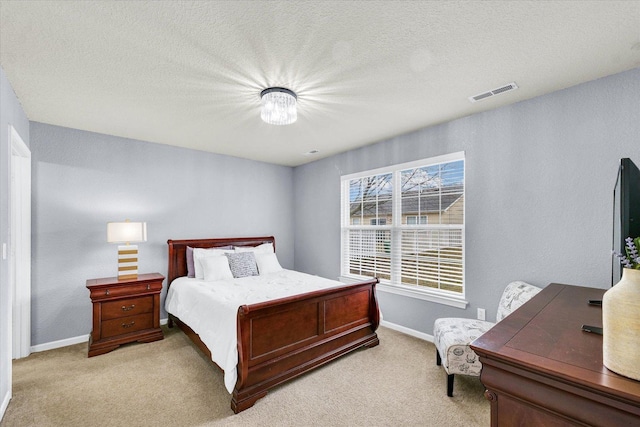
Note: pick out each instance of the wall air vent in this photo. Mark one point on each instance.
(493, 92)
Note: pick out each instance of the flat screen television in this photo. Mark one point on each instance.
(626, 211)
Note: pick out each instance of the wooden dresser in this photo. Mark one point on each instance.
(541, 369)
(124, 311)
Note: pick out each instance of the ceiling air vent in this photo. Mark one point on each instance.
(493, 92)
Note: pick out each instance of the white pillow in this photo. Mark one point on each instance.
(267, 263)
(200, 253)
(216, 268)
(265, 248)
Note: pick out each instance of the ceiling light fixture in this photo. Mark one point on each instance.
(278, 106)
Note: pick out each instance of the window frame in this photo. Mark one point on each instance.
(396, 227)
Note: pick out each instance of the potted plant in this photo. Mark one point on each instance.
(621, 316)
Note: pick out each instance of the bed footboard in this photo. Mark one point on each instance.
(279, 340)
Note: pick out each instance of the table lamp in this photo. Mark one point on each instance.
(127, 232)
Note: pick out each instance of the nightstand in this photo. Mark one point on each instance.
(124, 311)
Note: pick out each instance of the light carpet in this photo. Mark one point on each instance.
(170, 383)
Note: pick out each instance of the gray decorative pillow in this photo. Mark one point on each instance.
(242, 264)
(191, 270)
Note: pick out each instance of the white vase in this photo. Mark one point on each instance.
(621, 325)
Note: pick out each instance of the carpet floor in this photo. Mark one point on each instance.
(170, 383)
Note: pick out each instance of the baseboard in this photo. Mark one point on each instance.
(70, 341)
(407, 331)
(84, 338)
(60, 343)
(5, 404)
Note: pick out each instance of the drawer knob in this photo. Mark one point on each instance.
(131, 307)
(106, 292)
(128, 325)
(148, 286)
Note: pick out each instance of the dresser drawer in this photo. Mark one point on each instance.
(127, 307)
(125, 325)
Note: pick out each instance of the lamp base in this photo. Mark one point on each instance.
(127, 262)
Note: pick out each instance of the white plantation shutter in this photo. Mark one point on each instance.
(433, 258)
(405, 225)
(369, 253)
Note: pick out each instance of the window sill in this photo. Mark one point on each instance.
(414, 293)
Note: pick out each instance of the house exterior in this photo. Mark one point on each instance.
(428, 207)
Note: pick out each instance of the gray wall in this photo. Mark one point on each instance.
(11, 113)
(83, 180)
(539, 181)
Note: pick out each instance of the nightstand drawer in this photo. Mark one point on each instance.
(125, 325)
(118, 290)
(127, 307)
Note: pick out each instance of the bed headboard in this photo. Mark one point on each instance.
(178, 251)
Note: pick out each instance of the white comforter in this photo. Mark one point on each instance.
(210, 308)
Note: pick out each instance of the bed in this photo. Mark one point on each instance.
(280, 339)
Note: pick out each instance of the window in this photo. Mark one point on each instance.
(405, 225)
(413, 219)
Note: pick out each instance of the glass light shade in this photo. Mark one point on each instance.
(279, 106)
(126, 232)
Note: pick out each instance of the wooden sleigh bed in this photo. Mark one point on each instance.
(284, 338)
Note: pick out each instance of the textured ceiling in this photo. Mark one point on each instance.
(189, 73)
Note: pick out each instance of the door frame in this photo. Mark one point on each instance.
(20, 244)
